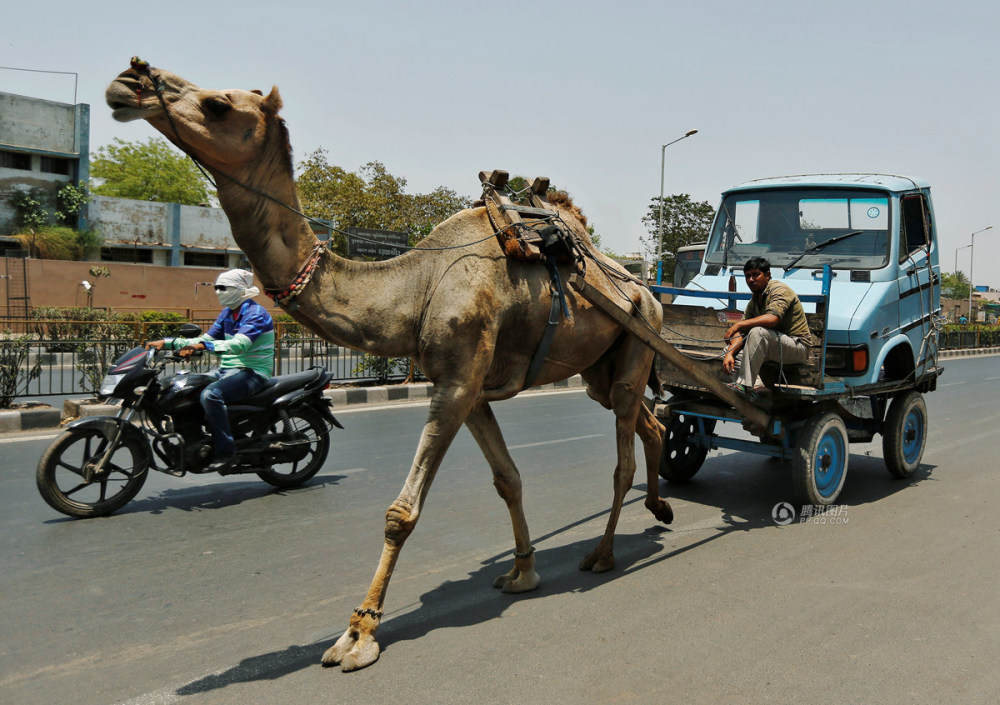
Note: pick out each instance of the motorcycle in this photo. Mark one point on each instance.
(99, 463)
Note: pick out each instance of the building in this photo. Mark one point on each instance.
(45, 145)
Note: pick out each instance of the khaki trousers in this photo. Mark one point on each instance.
(764, 344)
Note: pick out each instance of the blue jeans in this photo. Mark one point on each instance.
(231, 386)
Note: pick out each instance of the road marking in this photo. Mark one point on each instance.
(18, 439)
(556, 440)
(339, 410)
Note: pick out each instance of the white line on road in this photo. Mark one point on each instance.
(556, 440)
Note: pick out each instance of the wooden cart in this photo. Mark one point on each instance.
(803, 417)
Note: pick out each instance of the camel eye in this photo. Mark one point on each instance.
(217, 106)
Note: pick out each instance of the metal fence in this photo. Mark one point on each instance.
(67, 363)
(958, 339)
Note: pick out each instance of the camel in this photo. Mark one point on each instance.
(469, 317)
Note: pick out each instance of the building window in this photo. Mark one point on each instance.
(127, 254)
(15, 160)
(204, 259)
(55, 165)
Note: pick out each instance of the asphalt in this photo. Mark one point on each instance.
(47, 417)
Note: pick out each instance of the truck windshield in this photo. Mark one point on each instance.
(781, 224)
(687, 264)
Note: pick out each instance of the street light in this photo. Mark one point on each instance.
(972, 253)
(659, 236)
(956, 256)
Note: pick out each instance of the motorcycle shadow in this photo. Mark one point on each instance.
(219, 494)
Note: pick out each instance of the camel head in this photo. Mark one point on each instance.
(226, 130)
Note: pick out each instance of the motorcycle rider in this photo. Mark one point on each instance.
(243, 337)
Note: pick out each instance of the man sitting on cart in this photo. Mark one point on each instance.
(774, 327)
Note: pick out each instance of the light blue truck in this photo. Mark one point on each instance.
(861, 251)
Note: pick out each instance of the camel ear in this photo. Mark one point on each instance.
(272, 103)
(257, 91)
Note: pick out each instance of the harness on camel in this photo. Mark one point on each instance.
(534, 232)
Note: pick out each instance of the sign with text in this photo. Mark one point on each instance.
(379, 244)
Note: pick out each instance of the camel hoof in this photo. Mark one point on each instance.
(504, 579)
(352, 651)
(662, 511)
(517, 581)
(525, 582)
(596, 563)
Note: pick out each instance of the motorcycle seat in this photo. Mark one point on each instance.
(282, 384)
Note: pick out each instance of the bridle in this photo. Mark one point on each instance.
(283, 297)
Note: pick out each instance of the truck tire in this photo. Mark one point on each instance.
(904, 434)
(681, 458)
(819, 466)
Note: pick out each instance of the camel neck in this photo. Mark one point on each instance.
(362, 305)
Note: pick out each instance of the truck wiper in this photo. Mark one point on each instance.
(820, 246)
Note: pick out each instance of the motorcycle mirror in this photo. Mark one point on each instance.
(189, 330)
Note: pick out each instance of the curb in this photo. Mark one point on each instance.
(967, 352)
(49, 417)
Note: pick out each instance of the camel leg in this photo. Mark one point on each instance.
(483, 425)
(357, 647)
(623, 393)
(602, 557)
(651, 432)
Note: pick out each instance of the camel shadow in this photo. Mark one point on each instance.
(270, 666)
(457, 603)
(745, 505)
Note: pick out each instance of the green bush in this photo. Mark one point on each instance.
(161, 324)
(381, 368)
(13, 355)
(64, 328)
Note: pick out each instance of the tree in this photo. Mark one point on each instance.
(684, 223)
(34, 228)
(955, 286)
(371, 198)
(148, 171)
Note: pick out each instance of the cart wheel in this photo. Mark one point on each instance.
(820, 463)
(905, 434)
(681, 458)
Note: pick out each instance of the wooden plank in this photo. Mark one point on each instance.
(754, 415)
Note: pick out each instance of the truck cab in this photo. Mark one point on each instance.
(870, 239)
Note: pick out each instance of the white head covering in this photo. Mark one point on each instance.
(241, 288)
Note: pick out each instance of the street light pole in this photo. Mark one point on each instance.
(972, 253)
(659, 235)
(956, 256)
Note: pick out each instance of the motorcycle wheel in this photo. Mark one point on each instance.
(62, 473)
(307, 427)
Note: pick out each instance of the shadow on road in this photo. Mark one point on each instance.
(743, 489)
(212, 495)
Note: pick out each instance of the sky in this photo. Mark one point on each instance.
(583, 92)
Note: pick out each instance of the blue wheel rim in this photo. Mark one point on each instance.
(829, 463)
(913, 436)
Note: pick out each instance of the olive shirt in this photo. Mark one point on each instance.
(779, 299)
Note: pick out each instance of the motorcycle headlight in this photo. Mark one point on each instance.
(109, 383)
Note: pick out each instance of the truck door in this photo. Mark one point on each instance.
(917, 280)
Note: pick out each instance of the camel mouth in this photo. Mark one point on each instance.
(126, 103)
(127, 113)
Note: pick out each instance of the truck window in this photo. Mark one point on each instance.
(914, 226)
